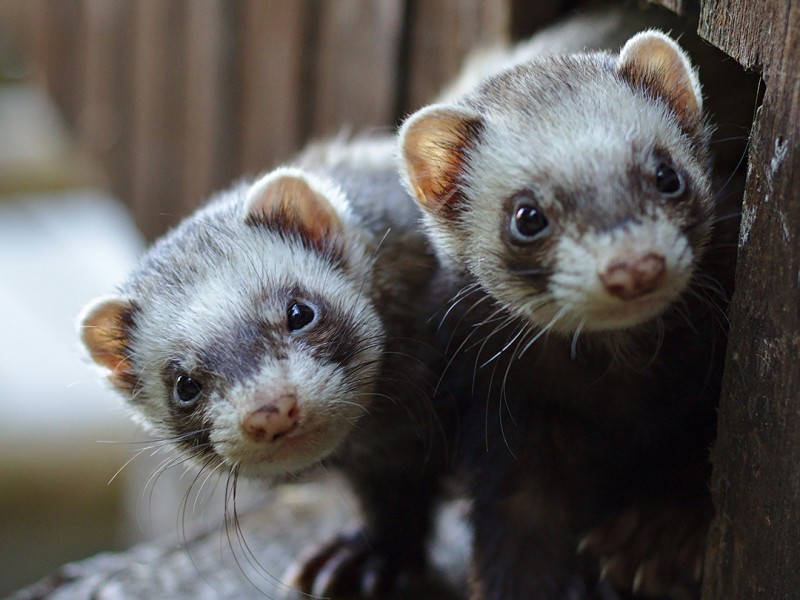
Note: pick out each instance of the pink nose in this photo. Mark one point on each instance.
(272, 420)
(629, 279)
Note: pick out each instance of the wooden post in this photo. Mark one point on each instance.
(754, 547)
(754, 544)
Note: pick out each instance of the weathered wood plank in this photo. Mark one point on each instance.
(754, 547)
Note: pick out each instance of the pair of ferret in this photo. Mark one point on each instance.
(545, 334)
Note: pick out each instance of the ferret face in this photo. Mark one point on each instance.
(246, 335)
(574, 189)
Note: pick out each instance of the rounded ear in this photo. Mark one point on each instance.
(654, 62)
(105, 327)
(290, 200)
(433, 144)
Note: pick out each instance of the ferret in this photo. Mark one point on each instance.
(282, 326)
(570, 197)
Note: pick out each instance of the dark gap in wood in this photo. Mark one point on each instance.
(527, 17)
(681, 7)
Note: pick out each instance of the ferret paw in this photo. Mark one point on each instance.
(348, 566)
(653, 552)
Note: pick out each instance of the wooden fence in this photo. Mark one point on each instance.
(176, 99)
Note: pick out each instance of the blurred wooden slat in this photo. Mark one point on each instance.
(206, 110)
(54, 38)
(442, 34)
(176, 99)
(682, 7)
(269, 98)
(15, 37)
(157, 124)
(356, 64)
(101, 119)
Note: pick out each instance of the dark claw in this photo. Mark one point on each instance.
(347, 566)
(652, 552)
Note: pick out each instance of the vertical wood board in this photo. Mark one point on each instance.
(754, 547)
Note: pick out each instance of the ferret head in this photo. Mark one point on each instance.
(575, 189)
(247, 335)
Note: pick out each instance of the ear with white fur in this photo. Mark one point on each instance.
(654, 62)
(290, 200)
(433, 143)
(105, 326)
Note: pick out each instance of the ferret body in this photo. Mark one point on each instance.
(282, 326)
(570, 197)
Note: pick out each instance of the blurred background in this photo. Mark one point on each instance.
(117, 117)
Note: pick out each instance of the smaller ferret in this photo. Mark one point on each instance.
(571, 198)
(282, 326)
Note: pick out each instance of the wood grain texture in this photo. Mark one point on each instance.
(754, 547)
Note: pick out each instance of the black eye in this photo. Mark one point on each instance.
(299, 315)
(668, 181)
(187, 390)
(527, 222)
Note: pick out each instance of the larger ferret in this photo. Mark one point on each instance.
(283, 325)
(571, 196)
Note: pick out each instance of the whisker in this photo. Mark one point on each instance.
(573, 349)
(127, 462)
(544, 330)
